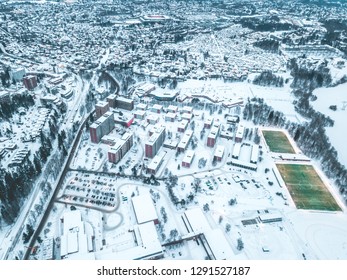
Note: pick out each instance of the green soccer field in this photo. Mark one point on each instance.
(278, 142)
(307, 188)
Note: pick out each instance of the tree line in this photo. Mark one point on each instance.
(17, 183)
(8, 109)
(308, 75)
(310, 136)
(267, 78)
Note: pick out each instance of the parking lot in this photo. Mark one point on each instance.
(90, 190)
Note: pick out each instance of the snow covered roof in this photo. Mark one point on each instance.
(219, 245)
(157, 132)
(171, 115)
(170, 143)
(236, 150)
(74, 239)
(185, 139)
(187, 109)
(270, 217)
(140, 113)
(183, 124)
(101, 104)
(209, 121)
(240, 130)
(153, 117)
(255, 153)
(156, 161)
(219, 151)
(188, 158)
(172, 108)
(197, 220)
(144, 208)
(149, 236)
(157, 107)
(141, 106)
(214, 131)
(149, 245)
(126, 136)
(110, 139)
(124, 99)
(118, 145)
(147, 87)
(187, 116)
(112, 96)
(72, 219)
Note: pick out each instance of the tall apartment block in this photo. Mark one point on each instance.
(111, 100)
(213, 135)
(101, 108)
(239, 133)
(30, 82)
(103, 126)
(155, 142)
(118, 151)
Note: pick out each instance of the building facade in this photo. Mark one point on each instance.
(155, 142)
(103, 126)
(124, 103)
(213, 135)
(101, 108)
(30, 82)
(119, 150)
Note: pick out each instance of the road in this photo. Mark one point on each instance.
(57, 188)
(10, 241)
(70, 117)
(81, 89)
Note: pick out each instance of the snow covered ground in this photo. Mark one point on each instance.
(324, 235)
(334, 96)
(279, 98)
(299, 235)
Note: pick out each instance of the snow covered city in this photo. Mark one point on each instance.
(173, 130)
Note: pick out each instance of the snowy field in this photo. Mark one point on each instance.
(334, 96)
(323, 235)
(88, 157)
(280, 99)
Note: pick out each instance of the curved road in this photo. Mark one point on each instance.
(61, 179)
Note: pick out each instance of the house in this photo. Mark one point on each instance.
(153, 119)
(141, 106)
(182, 146)
(157, 108)
(172, 109)
(239, 133)
(208, 123)
(156, 162)
(140, 115)
(219, 152)
(188, 158)
(170, 117)
(182, 126)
